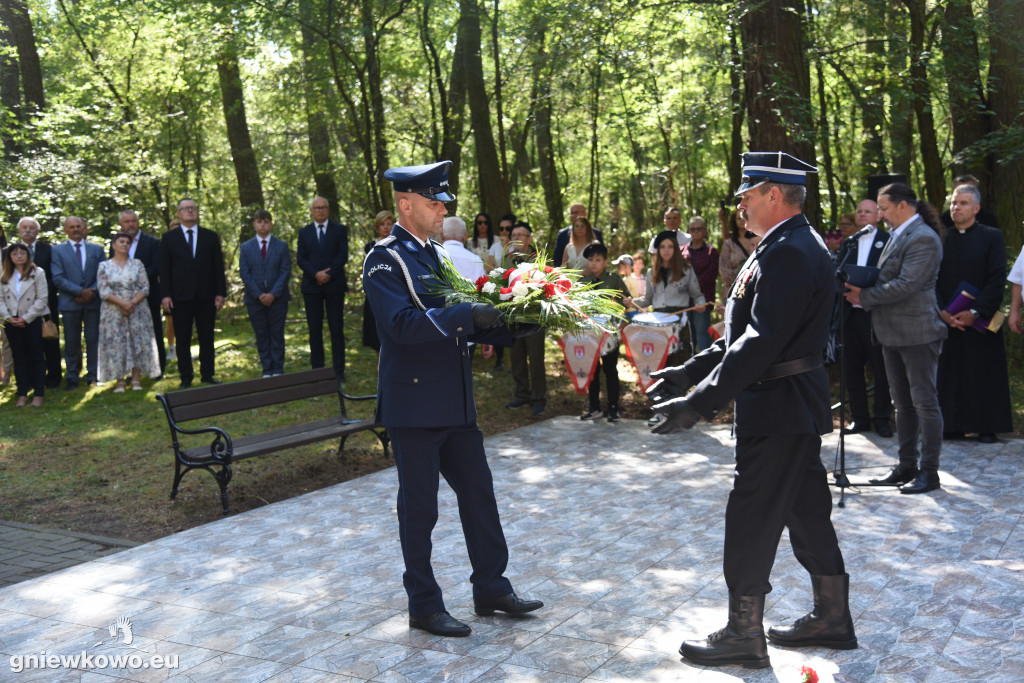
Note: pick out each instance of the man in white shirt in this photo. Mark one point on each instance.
(466, 262)
(673, 220)
(1016, 278)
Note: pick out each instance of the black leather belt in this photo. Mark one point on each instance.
(792, 367)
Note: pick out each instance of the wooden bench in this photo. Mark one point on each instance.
(211, 401)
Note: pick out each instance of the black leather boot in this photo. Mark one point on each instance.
(828, 625)
(741, 642)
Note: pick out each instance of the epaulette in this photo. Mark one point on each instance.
(385, 241)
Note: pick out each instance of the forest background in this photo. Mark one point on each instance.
(626, 107)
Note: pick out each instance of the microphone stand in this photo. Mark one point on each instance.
(842, 481)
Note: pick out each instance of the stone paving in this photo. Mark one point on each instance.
(618, 531)
(28, 551)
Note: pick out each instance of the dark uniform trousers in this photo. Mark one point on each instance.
(858, 350)
(779, 482)
(203, 314)
(334, 305)
(457, 453)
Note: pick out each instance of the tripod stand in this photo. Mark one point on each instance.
(842, 481)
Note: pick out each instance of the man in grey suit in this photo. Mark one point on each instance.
(905, 320)
(75, 263)
(265, 265)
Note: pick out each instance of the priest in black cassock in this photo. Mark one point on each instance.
(973, 385)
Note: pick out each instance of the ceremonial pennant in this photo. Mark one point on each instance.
(581, 352)
(647, 348)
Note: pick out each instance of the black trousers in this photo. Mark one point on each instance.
(780, 482)
(610, 368)
(457, 453)
(29, 361)
(202, 314)
(334, 305)
(858, 351)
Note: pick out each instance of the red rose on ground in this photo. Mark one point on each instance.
(808, 675)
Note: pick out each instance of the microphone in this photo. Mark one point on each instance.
(859, 233)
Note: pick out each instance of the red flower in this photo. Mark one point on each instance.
(548, 269)
(549, 289)
(480, 282)
(564, 284)
(808, 675)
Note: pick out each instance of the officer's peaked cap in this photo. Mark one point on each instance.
(429, 180)
(773, 167)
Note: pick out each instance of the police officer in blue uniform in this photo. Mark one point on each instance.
(425, 400)
(770, 360)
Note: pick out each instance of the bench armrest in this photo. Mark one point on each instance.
(357, 398)
(221, 447)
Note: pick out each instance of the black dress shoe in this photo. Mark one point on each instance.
(185, 383)
(899, 474)
(925, 482)
(882, 428)
(509, 604)
(440, 624)
(987, 438)
(857, 428)
(211, 380)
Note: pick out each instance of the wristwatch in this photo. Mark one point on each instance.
(975, 313)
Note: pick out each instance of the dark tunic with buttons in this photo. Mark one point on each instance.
(973, 384)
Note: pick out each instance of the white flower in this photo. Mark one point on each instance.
(497, 272)
(520, 289)
(488, 288)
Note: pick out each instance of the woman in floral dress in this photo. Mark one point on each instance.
(127, 345)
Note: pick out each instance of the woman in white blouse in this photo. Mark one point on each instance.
(22, 305)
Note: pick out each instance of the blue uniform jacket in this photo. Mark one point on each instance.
(778, 310)
(425, 378)
(265, 276)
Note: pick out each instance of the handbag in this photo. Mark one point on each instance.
(49, 328)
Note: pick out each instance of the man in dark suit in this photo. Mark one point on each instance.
(42, 256)
(425, 399)
(770, 359)
(75, 264)
(146, 248)
(321, 256)
(859, 350)
(562, 240)
(265, 265)
(905, 320)
(193, 288)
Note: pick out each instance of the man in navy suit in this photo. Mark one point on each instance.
(321, 256)
(75, 263)
(425, 400)
(146, 248)
(859, 350)
(42, 256)
(265, 265)
(770, 360)
(193, 289)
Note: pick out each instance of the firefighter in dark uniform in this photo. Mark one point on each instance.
(770, 361)
(425, 400)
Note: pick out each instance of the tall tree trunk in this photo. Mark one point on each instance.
(736, 97)
(499, 105)
(247, 173)
(316, 117)
(10, 92)
(595, 110)
(493, 191)
(872, 92)
(901, 112)
(960, 57)
(935, 184)
(778, 85)
(371, 43)
(14, 13)
(1006, 97)
(542, 129)
(454, 118)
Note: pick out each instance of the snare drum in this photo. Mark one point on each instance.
(658, 319)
